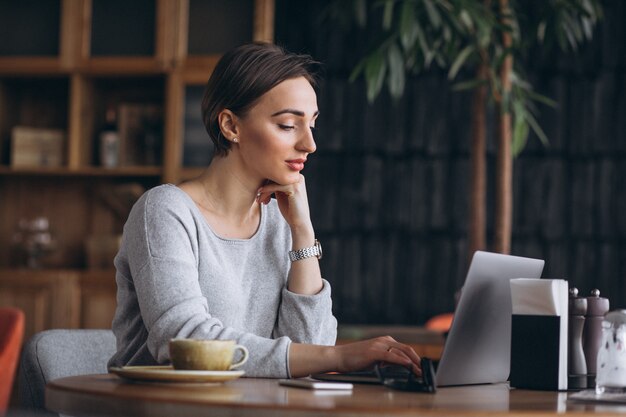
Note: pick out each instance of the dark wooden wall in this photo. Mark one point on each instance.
(388, 186)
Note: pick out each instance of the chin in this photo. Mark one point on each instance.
(286, 179)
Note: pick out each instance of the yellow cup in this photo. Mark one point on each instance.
(206, 355)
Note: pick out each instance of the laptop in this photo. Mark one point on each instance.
(478, 347)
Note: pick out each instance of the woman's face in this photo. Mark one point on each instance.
(276, 135)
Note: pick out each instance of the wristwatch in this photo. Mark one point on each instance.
(315, 250)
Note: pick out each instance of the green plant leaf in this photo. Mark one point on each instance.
(360, 12)
(542, 99)
(466, 19)
(396, 76)
(459, 61)
(375, 69)
(537, 129)
(388, 14)
(520, 137)
(409, 28)
(433, 14)
(541, 31)
(358, 69)
(468, 85)
(520, 128)
(423, 43)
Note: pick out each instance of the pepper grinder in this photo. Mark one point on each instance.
(597, 307)
(577, 366)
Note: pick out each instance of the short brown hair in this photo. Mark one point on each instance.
(243, 75)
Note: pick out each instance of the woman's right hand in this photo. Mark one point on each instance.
(365, 354)
(307, 359)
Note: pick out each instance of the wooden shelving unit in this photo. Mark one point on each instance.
(144, 56)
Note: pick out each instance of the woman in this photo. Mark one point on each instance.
(217, 258)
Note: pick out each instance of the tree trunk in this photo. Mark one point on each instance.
(504, 164)
(478, 166)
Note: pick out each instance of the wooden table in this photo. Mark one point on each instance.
(110, 395)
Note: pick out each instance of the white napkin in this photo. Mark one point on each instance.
(543, 297)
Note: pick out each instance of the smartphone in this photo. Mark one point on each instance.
(313, 384)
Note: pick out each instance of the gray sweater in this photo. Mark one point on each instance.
(177, 279)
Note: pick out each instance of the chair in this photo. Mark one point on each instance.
(11, 333)
(53, 354)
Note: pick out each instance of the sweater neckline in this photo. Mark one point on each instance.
(198, 213)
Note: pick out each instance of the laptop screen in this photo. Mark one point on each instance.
(478, 347)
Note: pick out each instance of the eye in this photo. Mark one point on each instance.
(286, 127)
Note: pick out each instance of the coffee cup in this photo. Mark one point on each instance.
(206, 355)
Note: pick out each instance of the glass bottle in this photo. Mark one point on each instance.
(611, 364)
(109, 138)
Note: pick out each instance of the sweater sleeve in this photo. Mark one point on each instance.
(162, 254)
(307, 318)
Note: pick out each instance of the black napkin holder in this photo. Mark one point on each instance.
(536, 346)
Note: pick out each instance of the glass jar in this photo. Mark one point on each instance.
(34, 240)
(611, 366)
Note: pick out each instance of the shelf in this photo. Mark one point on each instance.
(197, 69)
(35, 65)
(120, 65)
(149, 61)
(137, 171)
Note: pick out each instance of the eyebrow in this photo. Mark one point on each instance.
(293, 111)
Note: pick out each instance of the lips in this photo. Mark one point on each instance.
(296, 164)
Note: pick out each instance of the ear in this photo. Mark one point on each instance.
(228, 124)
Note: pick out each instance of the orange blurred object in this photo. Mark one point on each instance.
(11, 334)
(440, 322)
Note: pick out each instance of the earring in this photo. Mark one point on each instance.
(235, 140)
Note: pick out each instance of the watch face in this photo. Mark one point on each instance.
(319, 248)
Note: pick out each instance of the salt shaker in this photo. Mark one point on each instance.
(577, 366)
(611, 376)
(597, 307)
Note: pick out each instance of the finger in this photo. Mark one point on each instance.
(274, 187)
(396, 357)
(410, 356)
(263, 196)
(407, 350)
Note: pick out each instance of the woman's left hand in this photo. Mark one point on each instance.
(292, 202)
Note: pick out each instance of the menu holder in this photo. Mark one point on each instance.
(539, 341)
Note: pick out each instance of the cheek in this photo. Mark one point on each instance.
(266, 142)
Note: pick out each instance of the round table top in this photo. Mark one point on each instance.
(110, 394)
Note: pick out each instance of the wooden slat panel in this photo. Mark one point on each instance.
(98, 299)
(263, 20)
(81, 116)
(49, 299)
(72, 32)
(172, 156)
(74, 210)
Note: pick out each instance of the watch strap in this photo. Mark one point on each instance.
(297, 255)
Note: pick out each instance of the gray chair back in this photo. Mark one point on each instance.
(53, 354)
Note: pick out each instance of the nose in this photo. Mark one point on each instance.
(307, 142)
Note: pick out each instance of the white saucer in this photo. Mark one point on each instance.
(169, 374)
